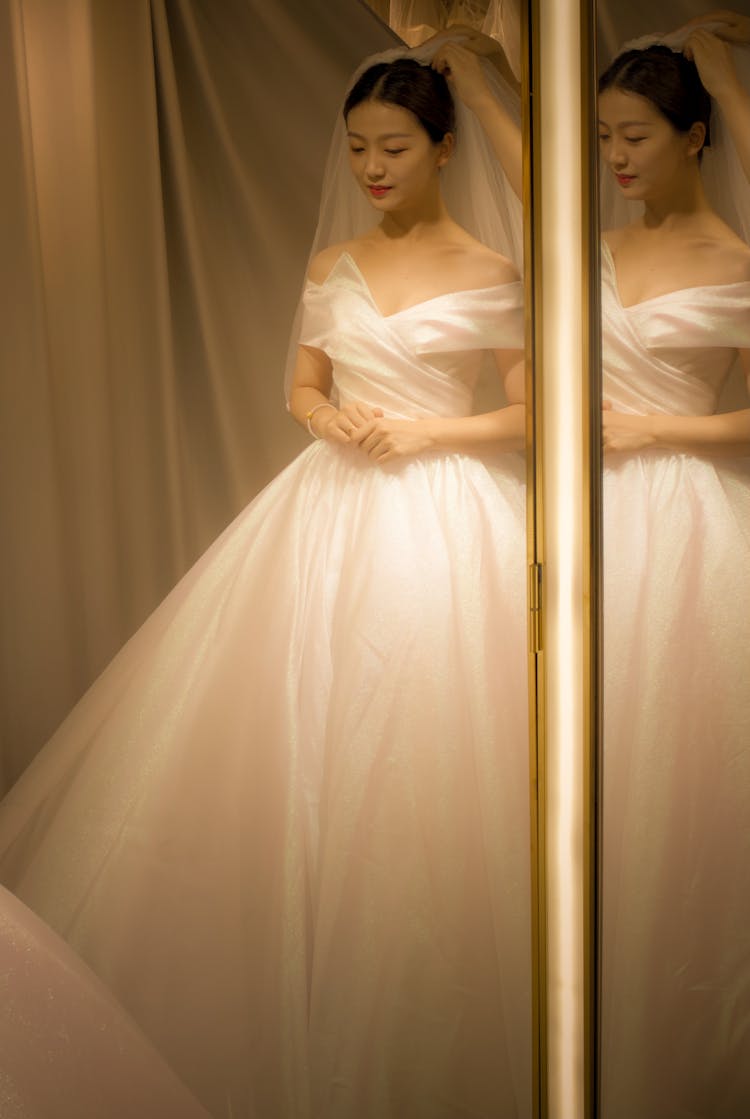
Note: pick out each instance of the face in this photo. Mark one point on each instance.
(647, 155)
(391, 156)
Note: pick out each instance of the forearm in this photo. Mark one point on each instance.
(505, 137)
(726, 433)
(302, 401)
(504, 429)
(735, 107)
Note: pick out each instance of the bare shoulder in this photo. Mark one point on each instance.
(734, 255)
(322, 263)
(723, 257)
(473, 265)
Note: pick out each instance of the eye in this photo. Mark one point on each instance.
(634, 139)
(603, 136)
(394, 151)
(354, 150)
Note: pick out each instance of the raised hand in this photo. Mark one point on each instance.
(712, 54)
(735, 27)
(462, 68)
(464, 72)
(713, 58)
(475, 41)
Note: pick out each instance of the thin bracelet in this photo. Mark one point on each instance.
(309, 415)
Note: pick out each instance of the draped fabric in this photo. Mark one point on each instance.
(162, 163)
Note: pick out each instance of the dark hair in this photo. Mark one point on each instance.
(408, 85)
(665, 78)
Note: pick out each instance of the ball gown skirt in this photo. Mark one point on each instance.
(676, 811)
(289, 826)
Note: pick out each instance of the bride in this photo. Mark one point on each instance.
(288, 826)
(676, 892)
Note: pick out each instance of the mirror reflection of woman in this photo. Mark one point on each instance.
(676, 812)
(676, 815)
(289, 825)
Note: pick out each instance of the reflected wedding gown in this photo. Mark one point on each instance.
(288, 826)
(676, 903)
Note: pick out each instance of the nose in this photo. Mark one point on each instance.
(373, 167)
(617, 155)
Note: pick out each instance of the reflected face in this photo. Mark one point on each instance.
(391, 156)
(647, 155)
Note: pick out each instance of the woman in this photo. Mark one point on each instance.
(676, 822)
(288, 826)
(676, 886)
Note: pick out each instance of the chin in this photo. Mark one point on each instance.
(376, 203)
(632, 193)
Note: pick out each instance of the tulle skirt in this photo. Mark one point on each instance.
(288, 826)
(676, 859)
(67, 1048)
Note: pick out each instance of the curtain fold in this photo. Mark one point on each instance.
(163, 161)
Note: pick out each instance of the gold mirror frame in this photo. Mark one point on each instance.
(564, 544)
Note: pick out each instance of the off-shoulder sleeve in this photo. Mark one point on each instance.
(697, 317)
(316, 320)
(483, 319)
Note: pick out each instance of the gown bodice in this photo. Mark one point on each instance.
(672, 353)
(422, 360)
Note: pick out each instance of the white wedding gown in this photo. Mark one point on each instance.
(676, 811)
(288, 826)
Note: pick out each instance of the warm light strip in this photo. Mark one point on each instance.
(565, 507)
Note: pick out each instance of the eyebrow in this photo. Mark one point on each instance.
(629, 123)
(385, 136)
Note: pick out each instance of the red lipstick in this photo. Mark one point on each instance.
(378, 191)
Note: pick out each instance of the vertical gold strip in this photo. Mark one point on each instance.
(535, 529)
(562, 285)
(592, 552)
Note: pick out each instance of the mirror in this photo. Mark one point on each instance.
(288, 824)
(675, 823)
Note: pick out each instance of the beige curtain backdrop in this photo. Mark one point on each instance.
(161, 168)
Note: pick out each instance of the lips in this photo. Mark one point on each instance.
(625, 180)
(378, 191)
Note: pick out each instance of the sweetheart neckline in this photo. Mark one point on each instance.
(412, 306)
(665, 294)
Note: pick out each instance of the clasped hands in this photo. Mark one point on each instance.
(380, 438)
